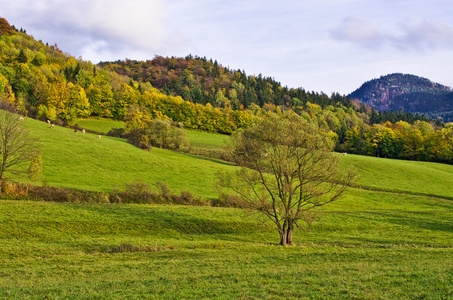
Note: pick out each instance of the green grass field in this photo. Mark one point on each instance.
(104, 251)
(207, 140)
(389, 238)
(99, 125)
(413, 177)
(87, 162)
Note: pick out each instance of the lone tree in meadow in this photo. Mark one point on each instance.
(288, 170)
(17, 147)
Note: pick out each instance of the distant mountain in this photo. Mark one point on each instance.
(409, 93)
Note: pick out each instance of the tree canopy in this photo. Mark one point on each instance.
(17, 147)
(288, 170)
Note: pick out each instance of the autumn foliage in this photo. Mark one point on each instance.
(42, 82)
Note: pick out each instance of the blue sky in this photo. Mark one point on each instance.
(323, 45)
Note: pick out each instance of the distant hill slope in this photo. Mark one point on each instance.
(409, 92)
(87, 162)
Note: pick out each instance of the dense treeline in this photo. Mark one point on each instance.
(43, 82)
(203, 81)
(419, 141)
(192, 92)
(394, 116)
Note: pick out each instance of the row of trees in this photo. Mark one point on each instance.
(42, 82)
(203, 81)
(420, 141)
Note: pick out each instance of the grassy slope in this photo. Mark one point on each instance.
(374, 173)
(62, 250)
(207, 140)
(100, 125)
(398, 246)
(85, 161)
(402, 175)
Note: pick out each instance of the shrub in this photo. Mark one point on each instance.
(165, 195)
(136, 138)
(14, 190)
(117, 132)
(137, 192)
(179, 140)
(227, 200)
(186, 198)
(53, 194)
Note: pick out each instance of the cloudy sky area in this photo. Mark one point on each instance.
(322, 45)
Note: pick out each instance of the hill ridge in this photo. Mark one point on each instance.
(407, 92)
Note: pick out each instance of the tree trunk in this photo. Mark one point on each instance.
(286, 235)
(289, 236)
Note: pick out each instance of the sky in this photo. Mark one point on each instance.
(322, 46)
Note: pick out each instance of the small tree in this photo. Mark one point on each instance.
(34, 169)
(17, 147)
(288, 171)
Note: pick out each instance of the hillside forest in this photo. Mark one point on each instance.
(43, 82)
(408, 92)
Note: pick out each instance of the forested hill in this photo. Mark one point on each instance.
(200, 80)
(409, 93)
(42, 82)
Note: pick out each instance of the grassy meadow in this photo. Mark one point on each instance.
(99, 125)
(87, 162)
(391, 237)
(63, 250)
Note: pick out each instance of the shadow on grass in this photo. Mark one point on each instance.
(429, 220)
(208, 159)
(434, 221)
(186, 220)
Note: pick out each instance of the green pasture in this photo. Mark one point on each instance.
(390, 237)
(206, 140)
(105, 251)
(86, 162)
(413, 177)
(99, 125)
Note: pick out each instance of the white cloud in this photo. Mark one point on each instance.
(361, 31)
(138, 25)
(424, 35)
(419, 36)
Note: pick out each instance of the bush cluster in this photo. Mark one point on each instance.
(139, 192)
(117, 132)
